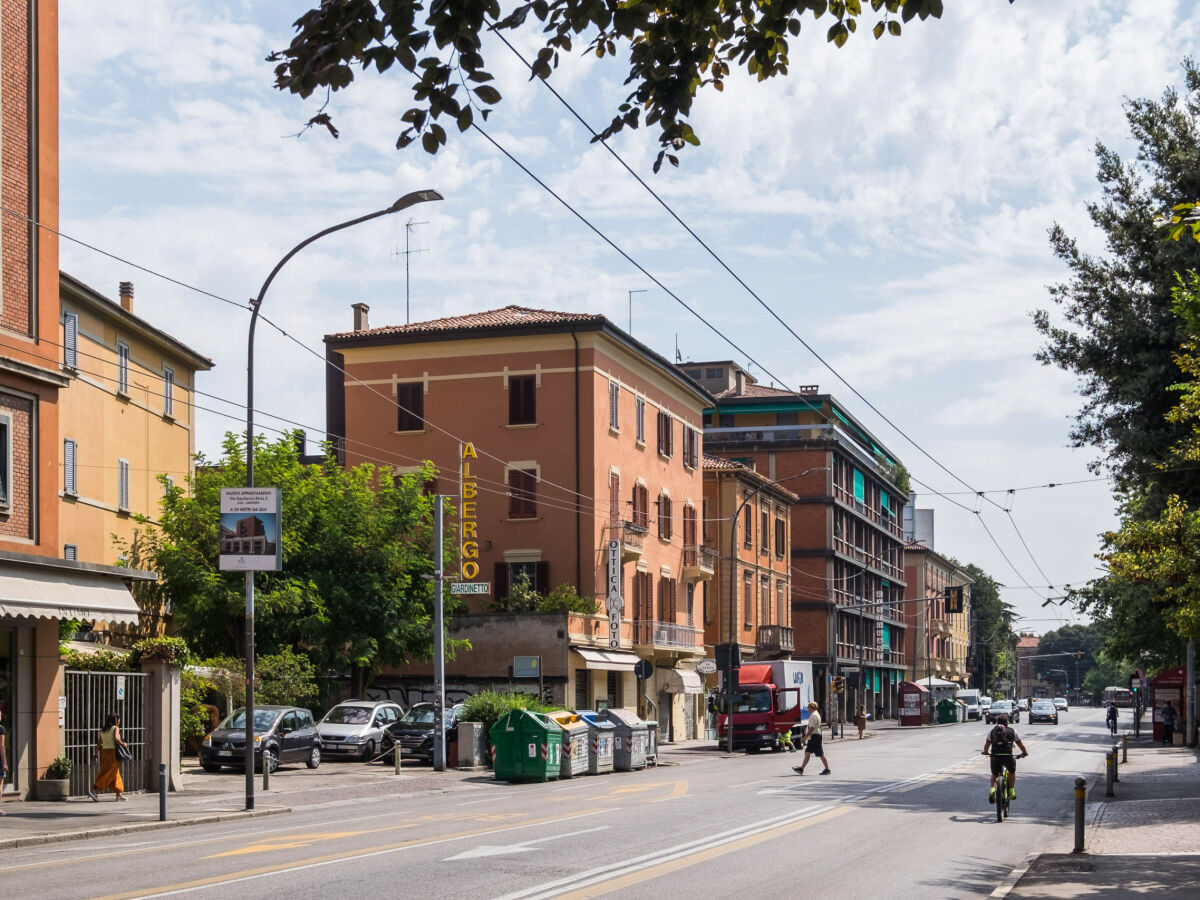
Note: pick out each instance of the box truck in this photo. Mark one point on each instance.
(771, 698)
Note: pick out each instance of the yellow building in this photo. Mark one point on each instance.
(126, 417)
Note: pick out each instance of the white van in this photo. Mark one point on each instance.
(970, 697)
(985, 703)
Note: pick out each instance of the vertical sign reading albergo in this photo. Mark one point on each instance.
(468, 548)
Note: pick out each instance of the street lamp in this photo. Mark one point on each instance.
(404, 202)
(730, 686)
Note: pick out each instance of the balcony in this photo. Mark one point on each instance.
(632, 538)
(775, 639)
(698, 563)
(667, 635)
(940, 626)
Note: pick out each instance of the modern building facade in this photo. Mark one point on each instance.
(847, 576)
(938, 642)
(573, 453)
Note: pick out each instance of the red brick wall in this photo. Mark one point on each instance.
(18, 520)
(15, 166)
(809, 631)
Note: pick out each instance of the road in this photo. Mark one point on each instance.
(903, 814)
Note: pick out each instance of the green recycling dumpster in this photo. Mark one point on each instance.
(575, 744)
(946, 713)
(629, 746)
(526, 746)
(600, 742)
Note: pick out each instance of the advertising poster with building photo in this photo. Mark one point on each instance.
(249, 538)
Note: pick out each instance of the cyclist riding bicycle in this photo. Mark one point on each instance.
(1111, 717)
(999, 746)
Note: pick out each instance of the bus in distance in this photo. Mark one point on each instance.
(1122, 697)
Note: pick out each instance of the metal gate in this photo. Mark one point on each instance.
(90, 697)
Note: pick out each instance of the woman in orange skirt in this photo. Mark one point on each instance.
(106, 751)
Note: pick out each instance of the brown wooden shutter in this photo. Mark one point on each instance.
(542, 577)
(500, 581)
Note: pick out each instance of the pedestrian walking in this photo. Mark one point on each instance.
(3, 762)
(1167, 714)
(106, 752)
(860, 719)
(812, 745)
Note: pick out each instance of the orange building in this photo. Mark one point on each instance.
(938, 641)
(573, 452)
(38, 585)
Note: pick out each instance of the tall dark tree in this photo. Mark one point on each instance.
(1121, 332)
(991, 627)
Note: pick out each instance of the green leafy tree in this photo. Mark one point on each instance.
(1087, 640)
(991, 626)
(675, 48)
(1109, 671)
(355, 592)
(285, 679)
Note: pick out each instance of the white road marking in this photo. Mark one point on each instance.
(524, 847)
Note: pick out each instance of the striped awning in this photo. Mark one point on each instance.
(54, 593)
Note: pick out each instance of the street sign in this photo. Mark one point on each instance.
(643, 669)
(470, 587)
(706, 666)
(527, 666)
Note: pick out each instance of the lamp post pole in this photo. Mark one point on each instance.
(730, 685)
(256, 305)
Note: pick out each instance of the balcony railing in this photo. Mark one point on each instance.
(775, 639)
(666, 634)
(698, 562)
(874, 515)
(632, 537)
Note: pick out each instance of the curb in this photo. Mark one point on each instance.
(34, 840)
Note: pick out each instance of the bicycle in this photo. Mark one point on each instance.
(1002, 796)
(1112, 724)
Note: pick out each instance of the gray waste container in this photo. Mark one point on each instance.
(651, 742)
(600, 742)
(575, 743)
(629, 746)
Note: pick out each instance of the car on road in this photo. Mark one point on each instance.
(282, 734)
(354, 728)
(1003, 708)
(1023, 704)
(1043, 711)
(985, 703)
(413, 732)
(1060, 703)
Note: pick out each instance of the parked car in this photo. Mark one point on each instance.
(413, 732)
(1060, 703)
(1043, 711)
(1003, 708)
(354, 728)
(1023, 704)
(282, 734)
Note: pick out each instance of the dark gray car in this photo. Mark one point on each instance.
(282, 734)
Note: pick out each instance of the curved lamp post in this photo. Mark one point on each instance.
(730, 685)
(404, 202)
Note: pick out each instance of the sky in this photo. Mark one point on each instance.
(889, 200)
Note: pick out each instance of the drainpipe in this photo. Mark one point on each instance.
(578, 511)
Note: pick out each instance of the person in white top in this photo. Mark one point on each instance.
(812, 745)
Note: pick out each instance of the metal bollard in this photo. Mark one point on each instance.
(266, 774)
(162, 792)
(1110, 763)
(1116, 768)
(1125, 747)
(1080, 793)
(396, 755)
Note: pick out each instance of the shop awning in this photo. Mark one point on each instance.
(680, 681)
(53, 593)
(608, 660)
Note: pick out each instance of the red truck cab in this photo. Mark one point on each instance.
(771, 698)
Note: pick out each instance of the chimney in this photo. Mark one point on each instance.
(360, 316)
(126, 291)
(739, 382)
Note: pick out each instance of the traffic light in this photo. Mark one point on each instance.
(954, 600)
(838, 684)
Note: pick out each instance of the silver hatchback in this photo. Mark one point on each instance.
(354, 728)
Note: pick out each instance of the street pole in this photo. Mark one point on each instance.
(928, 647)
(403, 203)
(439, 645)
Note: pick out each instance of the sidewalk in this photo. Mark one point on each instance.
(1143, 841)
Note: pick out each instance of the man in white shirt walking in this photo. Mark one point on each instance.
(812, 745)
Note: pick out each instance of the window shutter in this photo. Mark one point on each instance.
(69, 466)
(542, 577)
(500, 580)
(70, 340)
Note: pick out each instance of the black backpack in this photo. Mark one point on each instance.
(1002, 738)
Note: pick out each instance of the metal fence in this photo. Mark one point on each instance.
(90, 697)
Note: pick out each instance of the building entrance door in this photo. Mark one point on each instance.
(8, 718)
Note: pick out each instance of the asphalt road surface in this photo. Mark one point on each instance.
(904, 814)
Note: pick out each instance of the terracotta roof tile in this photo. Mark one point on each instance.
(716, 462)
(756, 390)
(492, 318)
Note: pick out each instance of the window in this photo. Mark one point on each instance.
(616, 696)
(714, 373)
(69, 450)
(640, 419)
(725, 420)
(168, 483)
(641, 506)
(691, 603)
(522, 408)
(664, 516)
(168, 391)
(764, 531)
(764, 600)
(780, 538)
(781, 603)
(858, 486)
(71, 552)
(689, 526)
(614, 396)
(506, 574)
(70, 340)
(748, 524)
(123, 484)
(522, 493)
(5, 460)
(614, 498)
(665, 434)
(410, 406)
(747, 599)
(122, 368)
(691, 447)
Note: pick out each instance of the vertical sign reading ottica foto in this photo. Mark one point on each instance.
(249, 539)
(468, 547)
(614, 603)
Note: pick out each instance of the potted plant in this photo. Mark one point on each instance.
(55, 784)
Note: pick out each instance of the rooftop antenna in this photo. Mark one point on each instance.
(408, 227)
(631, 293)
(678, 358)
